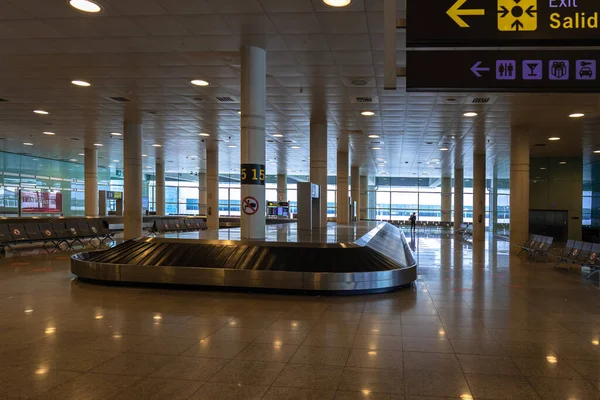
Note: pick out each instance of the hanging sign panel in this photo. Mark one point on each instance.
(473, 23)
(503, 71)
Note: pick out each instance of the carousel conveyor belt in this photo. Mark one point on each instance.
(378, 261)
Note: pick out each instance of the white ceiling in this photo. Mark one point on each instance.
(151, 49)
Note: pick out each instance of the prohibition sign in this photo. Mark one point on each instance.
(250, 205)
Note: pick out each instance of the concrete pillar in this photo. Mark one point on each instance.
(160, 186)
(90, 164)
(254, 87)
(132, 202)
(478, 197)
(318, 163)
(282, 187)
(212, 188)
(202, 193)
(459, 202)
(494, 201)
(519, 186)
(446, 199)
(342, 211)
(355, 190)
(364, 197)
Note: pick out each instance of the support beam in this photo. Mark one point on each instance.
(160, 186)
(318, 163)
(479, 197)
(342, 212)
(91, 181)
(282, 188)
(519, 185)
(355, 190)
(202, 193)
(132, 202)
(212, 188)
(254, 86)
(459, 202)
(446, 199)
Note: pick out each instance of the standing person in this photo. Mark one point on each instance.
(413, 223)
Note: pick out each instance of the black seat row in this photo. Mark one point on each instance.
(537, 245)
(581, 253)
(178, 225)
(57, 233)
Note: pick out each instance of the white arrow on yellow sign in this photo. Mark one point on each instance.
(455, 12)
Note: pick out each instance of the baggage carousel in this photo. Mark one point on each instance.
(376, 261)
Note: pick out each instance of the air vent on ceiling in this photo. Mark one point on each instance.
(352, 132)
(288, 141)
(364, 99)
(359, 82)
(152, 112)
(198, 99)
(480, 100)
(119, 99)
(270, 141)
(225, 99)
(2, 100)
(540, 145)
(74, 139)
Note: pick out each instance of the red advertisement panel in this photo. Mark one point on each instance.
(41, 202)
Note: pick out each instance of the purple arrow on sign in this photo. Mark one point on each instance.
(476, 69)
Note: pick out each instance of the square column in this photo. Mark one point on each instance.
(202, 193)
(282, 187)
(252, 170)
(364, 197)
(90, 165)
(479, 197)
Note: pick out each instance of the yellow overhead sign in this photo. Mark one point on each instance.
(518, 15)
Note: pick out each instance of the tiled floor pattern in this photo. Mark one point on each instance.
(478, 325)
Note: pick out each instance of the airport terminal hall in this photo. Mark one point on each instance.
(300, 199)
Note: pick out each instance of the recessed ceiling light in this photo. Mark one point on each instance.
(116, 161)
(576, 115)
(596, 151)
(470, 114)
(443, 149)
(295, 147)
(41, 112)
(554, 138)
(239, 113)
(27, 144)
(543, 168)
(116, 134)
(367, 113)
(81, 83)
(373, 136)
(157, 145)
(49, 133)
(98, 144)
(337, 3)
(144, 155)
(204, 134)
(73, 160)
(232, 146)
(562, 162)
(147, 166)
(85, 6)
(81, 154)
(277, 135)
(199, 82)
(376, 148)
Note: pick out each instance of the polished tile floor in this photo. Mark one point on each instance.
(478, 324)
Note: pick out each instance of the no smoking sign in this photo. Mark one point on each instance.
(250, 205)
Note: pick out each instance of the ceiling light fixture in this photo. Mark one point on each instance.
(563, 163)
(144, 155)
(157, 145)
(443, 149)
(85, 6)
(367, 113)
(373, 136)
(73, 160)
(27, 144)
(576, 115)
(470, 114)
(295, 147)
(596, 151)
(98, 144)
(41, 112)
(232, 146)
(199, 82)
(116, 134)
(81, 154)
(337, 3)
(116, 161)
(49, 133)
(204, 134)
(376, 148)
(278, 135)
(81, 83)
(554, 138)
